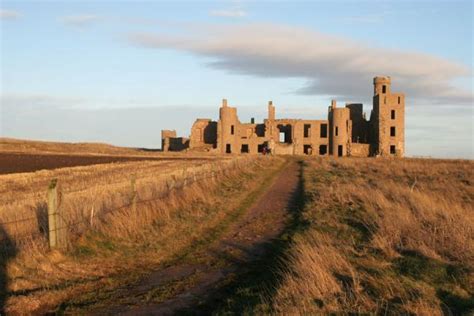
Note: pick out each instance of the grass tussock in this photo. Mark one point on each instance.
(101, 248)
(382, 236)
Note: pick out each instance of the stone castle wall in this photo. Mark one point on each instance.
(346, 132)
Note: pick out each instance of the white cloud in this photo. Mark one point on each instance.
(80, 20)
(232, 13)
(9, 14)
(332, 65)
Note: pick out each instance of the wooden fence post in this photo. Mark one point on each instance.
(92, 216)
(134, 194)
(52, 205)
(185, 176)
(56, 226)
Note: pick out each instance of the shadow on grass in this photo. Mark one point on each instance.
(149, 149)
(242, 292)
(442, 276)
(7, 253)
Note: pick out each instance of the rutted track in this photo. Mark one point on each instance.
(190, 282)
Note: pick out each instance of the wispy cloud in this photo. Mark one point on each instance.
(80, 20)
(231, 13)
(9, 14)
(331, 65)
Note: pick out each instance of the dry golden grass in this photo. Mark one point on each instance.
(383, 236)
(96, 188)
(379, 236)
(121, 244)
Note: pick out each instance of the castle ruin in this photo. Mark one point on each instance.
(346, 132)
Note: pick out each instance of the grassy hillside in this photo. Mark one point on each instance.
(37, 147)
(385, 236)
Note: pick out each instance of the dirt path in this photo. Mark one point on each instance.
(195, 279)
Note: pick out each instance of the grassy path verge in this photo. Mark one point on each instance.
(187, 266)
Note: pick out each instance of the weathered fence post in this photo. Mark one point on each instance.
(133, 188)
(185, 176)
(92, 216)
(52, 206)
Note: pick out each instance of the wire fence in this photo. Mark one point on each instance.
(54, 224)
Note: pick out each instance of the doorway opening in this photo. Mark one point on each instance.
(340, 149)
(323, 150)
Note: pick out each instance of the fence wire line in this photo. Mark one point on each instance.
(194, 178)
(19, 221)
(82, 190)
(141, 175)
(107, 211)
(162, 195)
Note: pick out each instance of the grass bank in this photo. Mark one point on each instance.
(371, 236)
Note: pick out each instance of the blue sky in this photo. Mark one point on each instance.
(119, 72)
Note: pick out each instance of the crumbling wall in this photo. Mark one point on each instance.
(359, 150)
(169, 141)
(345, 132)
(359, 123)
(203, 134)
(250, 138)
(178, 143)
(311, 137)
(166, 135)
(283, 149)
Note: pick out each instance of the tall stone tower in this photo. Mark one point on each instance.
(340, 130)
(227, 129)
(388, 125)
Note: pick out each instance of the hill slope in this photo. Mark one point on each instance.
(381, 236)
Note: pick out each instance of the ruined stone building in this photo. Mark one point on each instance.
(346, 132)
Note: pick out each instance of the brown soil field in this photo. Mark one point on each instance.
(22, 162)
